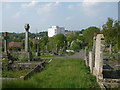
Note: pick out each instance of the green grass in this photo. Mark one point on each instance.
(15, 73)
(60, 73)
(49, 55)
(52, 55)
(110, 87)
(107, 54)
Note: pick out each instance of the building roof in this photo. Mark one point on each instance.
(15, 44)
(71, 31)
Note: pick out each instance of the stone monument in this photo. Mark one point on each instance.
(38, 50)
(5, 43)
(27, 50)
(90, 61)
(86, 55)
(26, 37)
(99, 46)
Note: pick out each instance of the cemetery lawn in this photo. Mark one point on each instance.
(15, 73)
(48, 55)
(59, 73)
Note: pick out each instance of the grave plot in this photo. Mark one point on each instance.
(59, 73)
(22, 70)
(105, 68)
(19, 65)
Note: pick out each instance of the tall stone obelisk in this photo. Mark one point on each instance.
(27, 37)
(5, 42)
(27, 48)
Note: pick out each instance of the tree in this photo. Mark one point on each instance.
(88, 35)
(111, 31)
(75, 45)
(43, 42)
(59, 40)
(107, 30)
(51, 44)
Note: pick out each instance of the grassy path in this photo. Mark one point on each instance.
(60, 73)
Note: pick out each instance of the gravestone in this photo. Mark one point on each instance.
(5, 42)
(86, 55)
(93, 50)
(98, 69)
(38, 50)
(7, 58)
(64, 47)
(90, 61)
(27, 37)
(60, 50)
(27, 50)
(5, 61)
(110, 49)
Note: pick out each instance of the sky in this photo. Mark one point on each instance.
(41, 15)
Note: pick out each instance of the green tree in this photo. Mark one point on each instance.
(75, 45)
(59, 40)
(111, 31)
(88, 35)
(43, 42)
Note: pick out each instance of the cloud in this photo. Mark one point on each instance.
(69, 18)
(70, 6)
(31, 4)
(88, 3)
(17, 15)
(88, 7)
(6, 6)
(47, 8)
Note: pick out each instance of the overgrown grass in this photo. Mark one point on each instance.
(60, 73)
(107, 54)
(110, 87)
(14, 73)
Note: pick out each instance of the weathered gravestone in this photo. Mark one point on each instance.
(86, 56)
(90, 61)
(38, 50)
(5, 42)
(27, 50)
(7, 58)
(99, 46)
(5, 61)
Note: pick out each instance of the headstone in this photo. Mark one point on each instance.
(99, 55)
(110, 49)
(60, 50)
(93, 50)
(90, 61)
(5, 42)
(64, 48)
(38, 51)
(86, 55)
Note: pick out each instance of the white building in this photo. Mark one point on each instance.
(54, 30)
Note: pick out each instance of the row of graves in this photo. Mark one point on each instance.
(106, 71)
(8, 60)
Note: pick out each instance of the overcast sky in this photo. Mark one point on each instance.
(41, 15)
